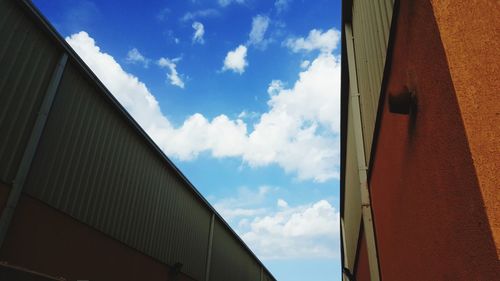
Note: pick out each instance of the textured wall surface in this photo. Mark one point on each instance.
(48, 241)
(472, 47)
(362, 267)
(429, 213)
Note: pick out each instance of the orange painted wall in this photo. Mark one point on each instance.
(45, 240)
(470, 32)
(428, 208)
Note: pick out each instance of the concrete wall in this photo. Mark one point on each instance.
(429, 212)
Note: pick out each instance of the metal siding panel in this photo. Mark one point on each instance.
(371, 26)
(26, 64)
(363, 60)
(229, 260)
(352, 196)
(94, 166)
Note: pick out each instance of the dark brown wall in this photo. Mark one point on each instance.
(43, 239)
(429, 214)
(362, 267)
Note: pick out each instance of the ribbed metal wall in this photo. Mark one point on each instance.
(229, 260)
(267, 277)
(371, 22)
(352, 196)
(94, 166)
(27, 60)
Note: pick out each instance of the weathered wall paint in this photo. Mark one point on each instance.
(48, 241)
(472, 47)
(429, 213)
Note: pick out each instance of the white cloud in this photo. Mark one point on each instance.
(127, 89)
(259, 27)
(282, 231)
(325, 42)
(244, 204)
(199, 31)
(225, 3)
(299, 132)
(173, 75)
(248, 115)
(282, 5)
(222, 136)
(134, 56)
(305, 64)
(200, 14)
(308, 231)
(236, 60)
(282, 203)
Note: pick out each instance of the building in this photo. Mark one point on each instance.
(84, 192)
(420, 140)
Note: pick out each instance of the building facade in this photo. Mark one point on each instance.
(85, 194)
(420, 140)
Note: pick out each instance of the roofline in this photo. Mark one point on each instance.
(39, 18)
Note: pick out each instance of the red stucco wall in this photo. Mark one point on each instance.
(45, 240)
(362, 271)
(429, 214)
(470, 31)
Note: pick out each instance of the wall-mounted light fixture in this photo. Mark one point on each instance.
(403, 102)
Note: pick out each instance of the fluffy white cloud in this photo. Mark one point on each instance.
(236, 60)
(281, 231)
(127, 89)
(299, 132)
(282, 203)
(172, 75)
(199, 31)
(281, 5)
(222, 136)
(316, 40)
(199, 14)
(259, 27)
(134, 56)
(308, 231)
(305, 64)
(225, 3)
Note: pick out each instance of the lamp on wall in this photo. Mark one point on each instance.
(402, 102)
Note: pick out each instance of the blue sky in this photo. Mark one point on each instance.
(243, 96)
